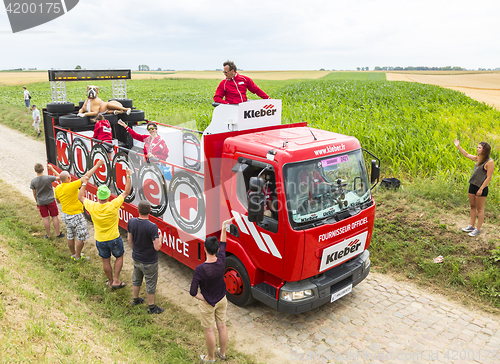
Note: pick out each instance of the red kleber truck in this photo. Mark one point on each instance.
(301, 197)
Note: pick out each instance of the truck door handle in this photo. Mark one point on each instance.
(233, 230)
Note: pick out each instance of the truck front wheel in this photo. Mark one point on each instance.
(237, 282)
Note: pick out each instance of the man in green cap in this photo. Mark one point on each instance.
(105, 216)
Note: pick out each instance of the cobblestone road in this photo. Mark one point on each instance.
(382, 320)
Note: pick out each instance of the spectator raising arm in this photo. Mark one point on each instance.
(128, 185)
(85, 179)
(56, 174)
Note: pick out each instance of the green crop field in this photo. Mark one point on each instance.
(410, 126)
(359, 76)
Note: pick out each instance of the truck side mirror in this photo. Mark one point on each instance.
(256, 200)
(375, 173)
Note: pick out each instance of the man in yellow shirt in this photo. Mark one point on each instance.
(105, 216)
(72, 210)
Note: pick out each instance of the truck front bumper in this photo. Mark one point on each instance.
(329, 283)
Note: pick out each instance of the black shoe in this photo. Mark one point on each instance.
(137, 301)
(155, 309)
(61, 235)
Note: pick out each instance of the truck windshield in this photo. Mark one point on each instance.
(327, 189)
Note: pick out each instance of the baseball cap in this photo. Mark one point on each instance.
(103, 192)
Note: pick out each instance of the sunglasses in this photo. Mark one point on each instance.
(152, 128)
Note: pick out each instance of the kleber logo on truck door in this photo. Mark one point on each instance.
(343, 251)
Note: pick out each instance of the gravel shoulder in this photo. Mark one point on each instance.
(381, 320)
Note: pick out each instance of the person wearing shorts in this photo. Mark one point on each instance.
(27, 98)
(209, 277)
(45, 200)
(478, 184)
(105, 216)
(145, 242)
(36, 120)
(72, 211)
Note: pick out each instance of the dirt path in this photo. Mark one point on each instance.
(381, 320)
(481, 87)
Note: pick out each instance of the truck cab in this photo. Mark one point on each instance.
(309, 246)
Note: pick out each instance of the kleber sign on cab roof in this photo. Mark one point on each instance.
(245, 116)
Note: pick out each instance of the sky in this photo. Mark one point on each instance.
(259, 35)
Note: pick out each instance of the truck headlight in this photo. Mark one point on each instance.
(366, 264)
(296, 296)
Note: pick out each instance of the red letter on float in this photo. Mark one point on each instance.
(186, 204)
(61, 152)
(79, 159)
(151, 190)
(121, 176)
(100, 174)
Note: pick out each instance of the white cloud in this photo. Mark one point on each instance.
(260, 35)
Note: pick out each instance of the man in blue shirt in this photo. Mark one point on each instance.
(145, 242)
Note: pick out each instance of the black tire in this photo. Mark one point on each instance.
(80, 104)
(112, 118)
(236, 276)
(61, 107)
(72, 121)
(135, 115)
(127, 103)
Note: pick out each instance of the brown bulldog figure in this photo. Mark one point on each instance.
(94, 105)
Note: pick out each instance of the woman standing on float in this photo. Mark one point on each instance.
(154, 145)
(478, 188)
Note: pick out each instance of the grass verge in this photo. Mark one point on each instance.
(53, 309)
(410, 231)
(15, 117)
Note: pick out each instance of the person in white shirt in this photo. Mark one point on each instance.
(26, 98)
(36, 120)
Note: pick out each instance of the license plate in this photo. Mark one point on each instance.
(341, 293)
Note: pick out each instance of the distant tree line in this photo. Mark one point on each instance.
(419, 68)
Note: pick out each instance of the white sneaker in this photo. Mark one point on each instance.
(468, 229)
(474, 232)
